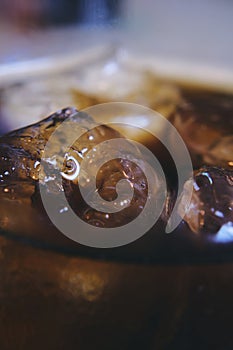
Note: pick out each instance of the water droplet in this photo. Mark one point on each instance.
(63, 210)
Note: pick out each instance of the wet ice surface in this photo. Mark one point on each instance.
(205, 122)
(106, 175)
(20, 166)
(21, 210)
(211, 207)
(20, 154)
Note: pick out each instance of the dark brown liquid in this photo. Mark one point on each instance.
(204, 109)
(51, 298)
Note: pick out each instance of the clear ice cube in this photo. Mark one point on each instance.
(211, 205)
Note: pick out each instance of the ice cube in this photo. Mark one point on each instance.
(205, 122)
(20, 168)
(211, 205)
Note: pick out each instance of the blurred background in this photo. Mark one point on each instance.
(179, 38)
(198, 30)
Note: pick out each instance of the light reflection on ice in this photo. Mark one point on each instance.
(225, 234)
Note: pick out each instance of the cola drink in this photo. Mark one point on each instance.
(162, 291)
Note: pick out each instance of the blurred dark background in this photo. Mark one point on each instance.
(36, 13)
